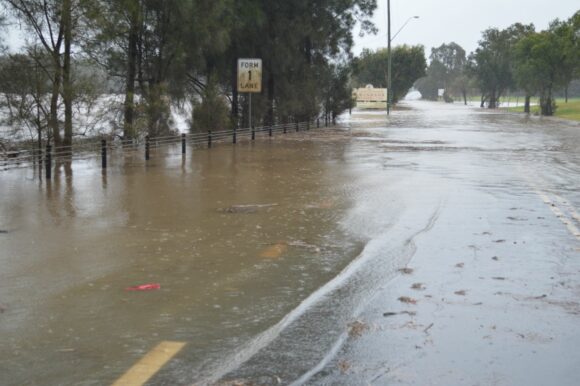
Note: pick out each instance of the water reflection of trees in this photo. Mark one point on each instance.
(60, 192)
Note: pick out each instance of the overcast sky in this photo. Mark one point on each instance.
(461, 21)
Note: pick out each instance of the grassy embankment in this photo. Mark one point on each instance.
(570, 110)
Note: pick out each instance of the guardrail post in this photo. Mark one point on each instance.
(285, 128)
(308, 125)
(297, 127)
(253, 133)
(147, 146)
(48, 161)
(104, 153)
(183, 143)
(209, 139)
(235, 139)
(318, 123)
(270, 131)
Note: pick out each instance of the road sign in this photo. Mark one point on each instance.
(370, 98)
(250, 75)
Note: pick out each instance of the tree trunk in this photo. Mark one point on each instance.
(66, 76)
(53, 119)
(566, 93)
(546, 103)
(129, 104)
(527, 105)
(270, 97)
(492, 100)
(464, 92)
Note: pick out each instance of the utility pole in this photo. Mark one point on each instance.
(389, 79)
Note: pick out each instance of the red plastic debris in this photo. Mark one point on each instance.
(144, 287)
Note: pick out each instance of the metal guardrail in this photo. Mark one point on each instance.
(24, 158)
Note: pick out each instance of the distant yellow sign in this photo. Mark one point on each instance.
(250, 75)
(370, 98)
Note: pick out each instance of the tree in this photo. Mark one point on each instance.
(337, 93)
(568, 35)
(446, 71)
(452, 57)
(491, 63)
(53, 23)
(295, 40)
(539, 66)
(408, 65)
(24, 85)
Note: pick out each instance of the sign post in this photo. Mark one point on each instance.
(250, 79)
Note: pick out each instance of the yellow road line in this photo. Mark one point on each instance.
(558, 212)
(274, 251)
(150, 364)
(570, 208)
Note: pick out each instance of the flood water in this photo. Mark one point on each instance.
(264, 251)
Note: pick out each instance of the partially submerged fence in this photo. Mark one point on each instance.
(44, 158)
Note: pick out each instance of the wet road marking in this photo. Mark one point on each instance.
(560, 214)
(150, 364)
(274, 251)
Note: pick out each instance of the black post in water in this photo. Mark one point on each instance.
(104, 153)
(209, 139)
(270, 131)
(297, 127)
(253, 133)
(183, 143)
(318, 123)
(308, 125)
(285, 129)
(146, 148)
(235, 139)
(48, 161)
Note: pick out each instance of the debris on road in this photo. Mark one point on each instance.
(357, 328)
(251, 208)
(406, 271)
(418, 286)
(144, 287)
(408, 300)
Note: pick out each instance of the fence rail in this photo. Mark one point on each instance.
(29, 157)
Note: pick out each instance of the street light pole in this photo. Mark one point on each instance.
(389, 80)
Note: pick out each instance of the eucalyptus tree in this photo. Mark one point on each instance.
(295, 40)
(52, 24)
(24, 85)
(567, 32)
(408, 65)
(492, 62)
(542, 67)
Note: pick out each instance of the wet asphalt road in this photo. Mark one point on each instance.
(278, 261)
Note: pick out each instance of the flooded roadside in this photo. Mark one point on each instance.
(203, 229)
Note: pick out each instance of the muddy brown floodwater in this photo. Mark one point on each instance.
(283, 261)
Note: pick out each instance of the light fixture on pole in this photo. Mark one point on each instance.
(389, 80)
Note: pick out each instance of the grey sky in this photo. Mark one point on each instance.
(443, 21)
